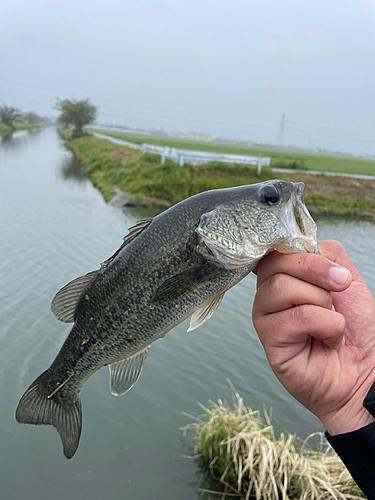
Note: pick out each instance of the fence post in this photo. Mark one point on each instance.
(177, 155)
(166, 154)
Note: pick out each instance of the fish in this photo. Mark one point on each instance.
(176, 265)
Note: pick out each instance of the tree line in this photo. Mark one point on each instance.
(74, 113)
(10, 115)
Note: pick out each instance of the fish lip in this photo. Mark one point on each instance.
(298, 188)
(298, 203)
(290, 217)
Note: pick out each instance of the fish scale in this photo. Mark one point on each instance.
(178, 264)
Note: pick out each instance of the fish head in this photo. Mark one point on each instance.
(257, 219)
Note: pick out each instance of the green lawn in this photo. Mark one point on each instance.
(279, 157)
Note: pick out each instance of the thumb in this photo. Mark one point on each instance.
(335, 252)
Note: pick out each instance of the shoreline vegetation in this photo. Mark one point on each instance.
(113, 168)
(242, 451)
(5, 130)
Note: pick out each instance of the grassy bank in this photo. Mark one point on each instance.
(242, 451)
(279, 157)
(5, 130)
(142, 175)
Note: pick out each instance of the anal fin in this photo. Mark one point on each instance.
(124, 374)
(205, 312)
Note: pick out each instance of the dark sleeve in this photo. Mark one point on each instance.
(357, 450)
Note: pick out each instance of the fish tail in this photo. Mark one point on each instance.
(36, 408)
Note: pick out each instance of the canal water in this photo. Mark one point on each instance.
(54, 226)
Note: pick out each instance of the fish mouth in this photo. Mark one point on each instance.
(301, 227)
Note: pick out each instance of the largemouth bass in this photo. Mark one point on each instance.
(177, 265)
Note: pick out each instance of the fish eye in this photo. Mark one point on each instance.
(270, 195)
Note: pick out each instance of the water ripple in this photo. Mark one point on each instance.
(55, 227)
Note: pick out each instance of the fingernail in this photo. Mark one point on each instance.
(339, 275)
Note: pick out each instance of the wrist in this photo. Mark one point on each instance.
(357, 413)
(339, 424)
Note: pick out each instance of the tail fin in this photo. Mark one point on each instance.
(66, 416)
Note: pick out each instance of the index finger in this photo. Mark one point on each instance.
(311, 268)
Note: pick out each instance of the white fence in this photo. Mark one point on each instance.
(182, 156)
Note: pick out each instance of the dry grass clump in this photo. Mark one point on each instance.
(253, 463)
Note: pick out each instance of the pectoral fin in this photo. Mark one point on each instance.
(205, 312)
(124, 374)
(65, 302)
(183, 283)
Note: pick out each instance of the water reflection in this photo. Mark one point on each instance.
(14, 142)
(18, 139)
(72, 170)
(6, 138)
(206, 486)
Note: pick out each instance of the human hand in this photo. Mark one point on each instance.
(315, 317)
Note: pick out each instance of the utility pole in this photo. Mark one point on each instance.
(280, 135)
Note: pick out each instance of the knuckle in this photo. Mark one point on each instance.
(336, 246)
(255, 312)
(331, 248)
(301, 315)
(326, 300)
(262, 328)
(277, 284)
(340, 324)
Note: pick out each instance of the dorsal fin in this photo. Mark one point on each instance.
(134, 231)
(124, 374)
(65, 302)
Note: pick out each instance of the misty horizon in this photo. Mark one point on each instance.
(228, 69)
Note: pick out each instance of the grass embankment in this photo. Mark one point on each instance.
(143, 176)
(242, 451)
(5, 130)
(279, 157)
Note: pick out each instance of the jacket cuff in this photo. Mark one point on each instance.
(369, 401)
(357, 450)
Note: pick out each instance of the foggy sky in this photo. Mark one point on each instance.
(230, 68)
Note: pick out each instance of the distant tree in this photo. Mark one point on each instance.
(32, 118)
(76, 113)
(8, 115)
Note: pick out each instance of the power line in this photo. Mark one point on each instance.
(280, 135)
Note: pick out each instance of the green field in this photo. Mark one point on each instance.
(279, 157)
(143, 176)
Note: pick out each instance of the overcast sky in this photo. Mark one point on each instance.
(230, 68)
